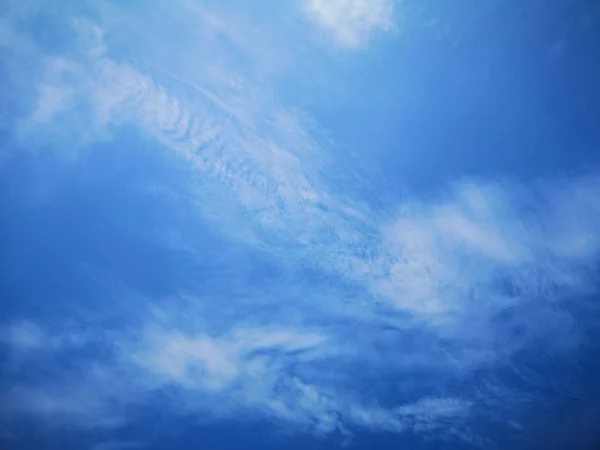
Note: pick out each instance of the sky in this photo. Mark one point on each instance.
(300, 224)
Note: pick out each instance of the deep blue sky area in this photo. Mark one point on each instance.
(520, 78)
(306, 224)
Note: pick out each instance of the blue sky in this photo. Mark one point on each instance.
(300, 224)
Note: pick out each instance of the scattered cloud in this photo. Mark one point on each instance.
(352, 22)
(447, 287)
(51, 101)
(247, 369)
(216, 363)
(81, 405)
(25, 337)
(426, 413)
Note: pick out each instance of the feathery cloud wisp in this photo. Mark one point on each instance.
(432, 277)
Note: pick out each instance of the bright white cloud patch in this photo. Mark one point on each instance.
(352, 22)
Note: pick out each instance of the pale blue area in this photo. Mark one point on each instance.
(223, 229)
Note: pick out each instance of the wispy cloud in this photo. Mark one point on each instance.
(352, 23)
(61, 405)
(216, 363)
(52, 101)
(430, 280)
(487, 236)
(278, 374)
(25, 337)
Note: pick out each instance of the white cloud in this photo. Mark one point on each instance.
(252, 340)
(214, 127)
(205, 362)
(441, 260)
(426, 413)
(251, 369)
(247, 369)
(444, 264)
(23, 336)
(435, 261)
(192, 362)
(352, 22)
(52, 100)
(430, 408)
(86, 405)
